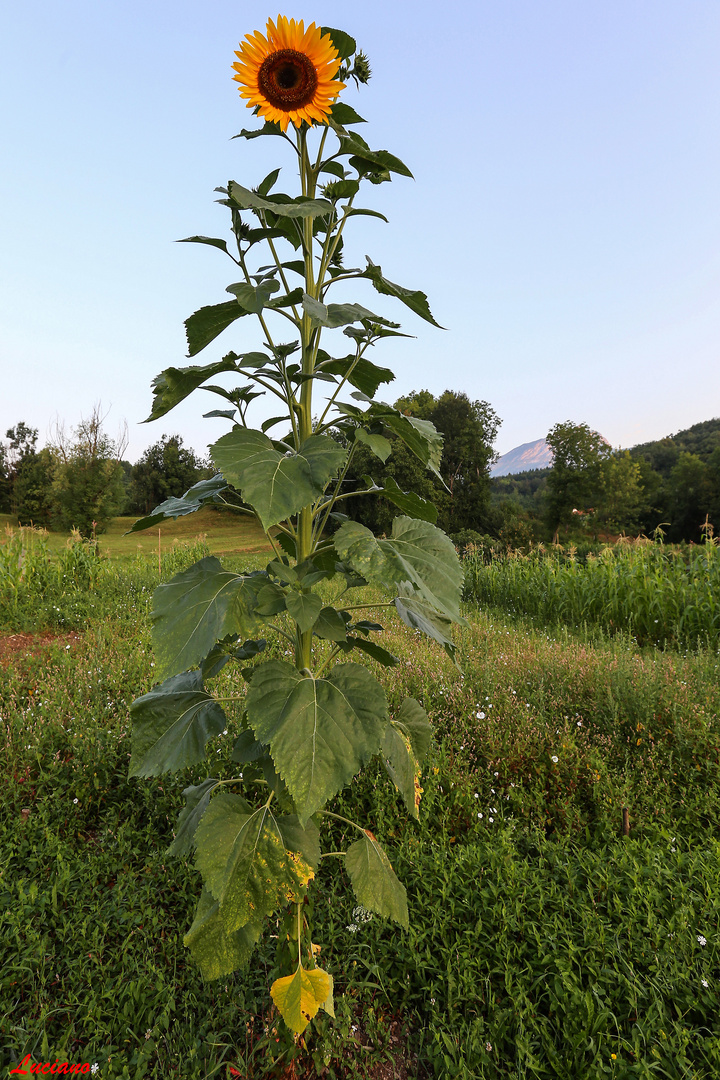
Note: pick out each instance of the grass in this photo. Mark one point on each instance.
(225, 534)
(543, 943)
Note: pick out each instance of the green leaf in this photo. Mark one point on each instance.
(418, 614)
(345, 46)
(402, 768)
(352, 143)
(268, 128)
(406, 742)
(201, 494)
(276, 485)
(268, 183)
(363, 374)
(197, 798)
(282, 205)
(358, 211)
(270, 600)
(173, 384)
(414, 299)
(372, 649)
(247, 750)
(244, 860)
(342, 189)
(216, 952)
(340, 112)
(298, 997)
(171, 725)
(304, 609)
(253, 298)
(334, 315)
(380, 446)
(420, 436)
(320, 731)
(204, 325)
(373, 880)
(210, 240)
(413, 721)
(198, 607)
(417, 553)
(330, 625)
(410, 503)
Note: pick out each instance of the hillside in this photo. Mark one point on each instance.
(531, 455)
(700, 439)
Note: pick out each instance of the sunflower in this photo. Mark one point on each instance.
(289, 74)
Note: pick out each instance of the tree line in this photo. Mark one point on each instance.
(81, 480)
(596, 492)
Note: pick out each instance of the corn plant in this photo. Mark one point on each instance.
(306, 727)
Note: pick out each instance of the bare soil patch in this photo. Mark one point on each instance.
(14, 647)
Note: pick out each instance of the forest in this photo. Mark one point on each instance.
(80, 479)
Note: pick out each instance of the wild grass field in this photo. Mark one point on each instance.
(542, 943)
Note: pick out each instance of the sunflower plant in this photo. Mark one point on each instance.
(307, 727)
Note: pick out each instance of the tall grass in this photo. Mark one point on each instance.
(659, 595)
(42, 588)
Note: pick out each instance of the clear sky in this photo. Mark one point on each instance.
(564, 218)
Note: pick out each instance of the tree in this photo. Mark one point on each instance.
(25, 476)
(469, 429)
(87, 487)
(690, 497)
(166, 469)
(574, 482)
(621, 495)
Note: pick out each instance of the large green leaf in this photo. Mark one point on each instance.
(197, 798)
(345, 46)
(201, 494)
(253, 298)
(418, 614)
(321, 731)
(298, 997)
(282, 205)
(340, 112)
(414, 299)
(215, 951)
(206, 323)
(334, 315)
(211, 241)
(402, 767)
(362, 373)
(413, 721)
(304, 608)
(411, 504)
(380, 446)
(373, 880)
(417, 553)
(352, 143)
(276, 485)
(171, 725)
(245, 861)
(420, 436)
(198, 607)
(174, 384)
(405, 745)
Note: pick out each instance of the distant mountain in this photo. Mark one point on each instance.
(531, 455)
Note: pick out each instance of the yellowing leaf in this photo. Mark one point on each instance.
(299, 996)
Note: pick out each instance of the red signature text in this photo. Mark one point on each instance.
(57, 1068)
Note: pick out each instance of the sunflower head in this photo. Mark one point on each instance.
(289, 72)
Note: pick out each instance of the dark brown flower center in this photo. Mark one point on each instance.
(288, 79)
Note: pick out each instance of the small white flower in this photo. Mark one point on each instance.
(480, 816)
(701, 939)
(225, 731)
(480, 715)
(488, 1047)
(555, 758)
(673, 849)
(75, 801)
(705, 983)
(496, 774)
(490, 819)
(94, 1067)
(148, 1033)
(353, 928)
(476, 795)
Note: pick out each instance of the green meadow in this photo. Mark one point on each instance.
(543, 942)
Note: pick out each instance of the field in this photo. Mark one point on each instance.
(543, 943)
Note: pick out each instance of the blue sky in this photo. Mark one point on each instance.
(564, 218)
